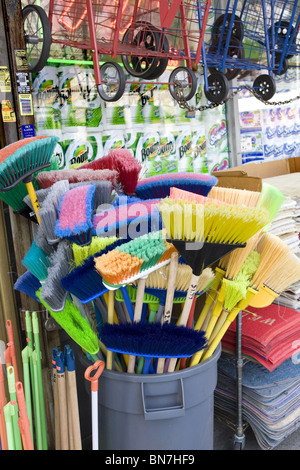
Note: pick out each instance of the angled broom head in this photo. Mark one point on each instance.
(159, 186)
(18, 161)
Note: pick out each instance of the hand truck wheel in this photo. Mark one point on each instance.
(281, 29)
(37, 37)
(112, 82)
(147, 37)
(284, 67)
(235, 51)
(264, 87)
(182, 79)
(219, 26)
(218, 87)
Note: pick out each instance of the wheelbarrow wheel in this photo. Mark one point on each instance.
(113, 82)
(37, 31)
(218, 87)
(281, 30)
(218, 27)
(145, 37)
(264, 87)
(284, 67)
(182, 83)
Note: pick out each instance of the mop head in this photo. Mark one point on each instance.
(152, 339)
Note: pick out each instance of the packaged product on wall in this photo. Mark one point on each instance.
(216, 133)
(199, 151)
(80, 150)
(112, 140)
(250, 120)
(148, 154)
(46, 100)
(135, 106)
(116, 113)
(94, 104)
(184, 149)
(73, 111)
(131, 140)
(216, 161)
(150, 103)
(167, 151)
(168, 107)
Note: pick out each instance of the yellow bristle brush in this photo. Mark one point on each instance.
(272, 251)
(204, 233)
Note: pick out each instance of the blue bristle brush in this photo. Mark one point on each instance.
(36, 261)
(29, 284)
(159, 186)
(75, 215)
(152, 340)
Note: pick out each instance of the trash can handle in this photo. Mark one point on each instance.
(164, 413)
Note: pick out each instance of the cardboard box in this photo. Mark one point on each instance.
(250, 175)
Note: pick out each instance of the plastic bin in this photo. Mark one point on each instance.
(172, 411)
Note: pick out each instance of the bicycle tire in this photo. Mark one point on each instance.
(46, 29)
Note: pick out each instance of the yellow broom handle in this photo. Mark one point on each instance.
(210, 297)
(33, 198)
(231, 317)
(110, 320)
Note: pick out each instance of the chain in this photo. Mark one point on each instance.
(184, 104)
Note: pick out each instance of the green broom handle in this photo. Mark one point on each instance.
(38, 425)
(9, 411)
(28, 326)
(35, 328)
(13, 399)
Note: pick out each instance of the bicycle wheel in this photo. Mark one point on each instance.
(145, 36)
(264, 87)
(37, 37)
(218, 87)
(112, 82)
(182, 79)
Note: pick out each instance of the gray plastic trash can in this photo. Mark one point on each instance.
(172, 411)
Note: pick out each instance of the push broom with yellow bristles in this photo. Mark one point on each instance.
(204, 233)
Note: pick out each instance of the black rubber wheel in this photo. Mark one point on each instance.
(185, 77)
(264, 87)
(112, 82)
(218, 87)
(162, 62)
(281, 30)
(284, 67)
(37, 37)
(235, 51)
(218, 26)
(149, 38)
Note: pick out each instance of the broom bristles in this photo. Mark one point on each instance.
(286, 274)
(235, 196)
(237, 257)
(271, 249)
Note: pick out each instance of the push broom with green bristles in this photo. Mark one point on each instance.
(20, 160)
(204, 233)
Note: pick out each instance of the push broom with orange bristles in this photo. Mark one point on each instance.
(204, 233)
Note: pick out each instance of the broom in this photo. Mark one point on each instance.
(122, 161)
(73, 176)
(272, 252)
(204, 233)
(18, 162)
